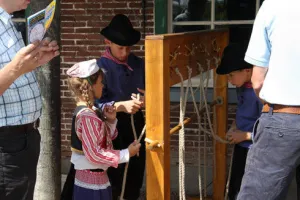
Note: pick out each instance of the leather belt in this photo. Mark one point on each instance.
(96, 170)
(24, 128)
(282, 109)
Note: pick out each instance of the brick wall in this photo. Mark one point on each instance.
(81, 22)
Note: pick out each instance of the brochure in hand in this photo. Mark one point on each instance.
(39, 23)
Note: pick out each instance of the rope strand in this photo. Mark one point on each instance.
(138, 141)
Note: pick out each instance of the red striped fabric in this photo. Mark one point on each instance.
(95, 178)
(96, 139)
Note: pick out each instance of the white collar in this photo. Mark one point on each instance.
(4, 16)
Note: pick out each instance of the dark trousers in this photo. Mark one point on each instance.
(298, 182)
(19, 153)
(273, 157)
(136, 169)
(237, 171)
(67, 192)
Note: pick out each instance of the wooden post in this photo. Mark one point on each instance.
(220, 124)
(158, 119)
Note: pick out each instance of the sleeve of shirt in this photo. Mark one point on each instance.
(113, 129)
(259, 48)
(124, 156)
(92, 136)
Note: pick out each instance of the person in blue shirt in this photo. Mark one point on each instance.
(124, 79)
(248, 111)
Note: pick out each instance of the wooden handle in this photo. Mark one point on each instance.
(152, 144)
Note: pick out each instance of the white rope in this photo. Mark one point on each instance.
(217, 60)
(215, 136)
(142, 134)
(229, 176)
(178, 105)
(206, 136)
(132, 122)
(202, 96)
(203, 93)
(138, 141)
(199, 130)
(183, 100)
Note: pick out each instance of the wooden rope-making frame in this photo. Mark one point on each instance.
(164, 54)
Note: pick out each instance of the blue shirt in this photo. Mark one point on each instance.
(119, 81)
(275, 44)
(248, 111)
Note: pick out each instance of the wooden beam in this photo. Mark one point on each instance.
(158, 119)
(220, 124)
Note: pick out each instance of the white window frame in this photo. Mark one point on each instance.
(212, 23)
(19, 20)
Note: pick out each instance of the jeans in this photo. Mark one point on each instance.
(273, 157)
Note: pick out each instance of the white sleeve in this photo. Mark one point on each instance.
(112, 127)
(124, 156)
(259, 48)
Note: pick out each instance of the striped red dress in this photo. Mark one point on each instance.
(96, 137)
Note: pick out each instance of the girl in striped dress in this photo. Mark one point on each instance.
(92, 135)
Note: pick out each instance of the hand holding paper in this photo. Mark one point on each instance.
(48, 50)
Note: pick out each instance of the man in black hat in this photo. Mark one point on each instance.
(124, 78)
(248, 111)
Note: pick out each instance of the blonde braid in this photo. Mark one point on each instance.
(81, 87)
(85, 90)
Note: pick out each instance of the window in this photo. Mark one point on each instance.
(192, 15)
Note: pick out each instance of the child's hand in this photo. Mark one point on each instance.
(110, 113)
(132, 106)
(237, 136)
(140, 99)
(134, 148)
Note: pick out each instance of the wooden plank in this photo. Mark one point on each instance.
(191, 49)
(220, 128)
(158, 119)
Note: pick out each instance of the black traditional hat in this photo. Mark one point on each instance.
(233, 59)
(121, 32)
